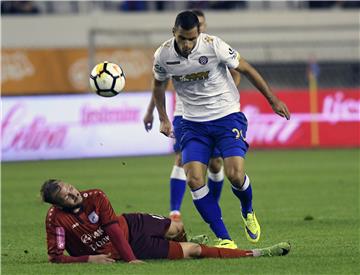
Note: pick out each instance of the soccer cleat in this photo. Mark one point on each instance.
(280, 249)
(199, 239)
(175, 217)
(252, 227)
(225, 243)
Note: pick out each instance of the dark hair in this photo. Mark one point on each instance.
(49, 188)
(198, 13)
(187, 20)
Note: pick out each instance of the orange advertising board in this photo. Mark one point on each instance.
(46, 71)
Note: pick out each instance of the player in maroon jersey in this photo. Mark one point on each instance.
(85, 225)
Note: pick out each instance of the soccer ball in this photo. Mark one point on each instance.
(107, 79)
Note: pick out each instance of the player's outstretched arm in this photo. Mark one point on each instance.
(159, 88)
(258, 81)
(149, 117)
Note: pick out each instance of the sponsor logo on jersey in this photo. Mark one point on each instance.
(95, 240)
(93, 217)
(86, 238)
(203, 60)
(192, 77)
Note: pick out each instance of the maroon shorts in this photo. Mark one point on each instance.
(147, 235)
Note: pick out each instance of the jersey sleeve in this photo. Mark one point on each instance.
(226, 54)
(109, 222)
(106, 212)
(55, 237)
(159, 70)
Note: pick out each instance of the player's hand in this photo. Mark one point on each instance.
(101, 259)
(280, 108)
(166, 128)
(136, 262)
(148, 121)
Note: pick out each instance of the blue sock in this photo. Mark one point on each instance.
(177, 188)
(245, 196)
(215, 183)
(210, 211)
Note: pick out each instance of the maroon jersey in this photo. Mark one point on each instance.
(83, 233)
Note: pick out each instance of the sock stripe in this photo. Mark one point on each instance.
(200, 193)
(217, 177)
(245, 185)
(178, 173)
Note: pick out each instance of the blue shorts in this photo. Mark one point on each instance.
(228, 134)
(177, 126)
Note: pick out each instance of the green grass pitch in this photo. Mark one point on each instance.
(290, 188)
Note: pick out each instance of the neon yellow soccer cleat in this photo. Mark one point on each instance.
(280, 249)
(199, 239)
(252, 227)
(224, 243)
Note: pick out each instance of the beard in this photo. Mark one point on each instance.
(73, 208)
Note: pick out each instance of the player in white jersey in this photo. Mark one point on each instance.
(198, 65)
(178, 177)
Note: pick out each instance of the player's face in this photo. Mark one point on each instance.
(186, 39)
(68, 196)
(202, 24)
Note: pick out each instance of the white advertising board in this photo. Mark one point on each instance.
(79, 126)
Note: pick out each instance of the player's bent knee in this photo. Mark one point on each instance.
(215, 165)
(236, 177)
(175, 229)
(195, 181)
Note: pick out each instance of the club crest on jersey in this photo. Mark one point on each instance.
(203, 60)
(93, 217)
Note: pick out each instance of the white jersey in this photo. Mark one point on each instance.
(178, 106)
(202, 81)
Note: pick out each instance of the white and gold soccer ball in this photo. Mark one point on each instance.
(107, 79)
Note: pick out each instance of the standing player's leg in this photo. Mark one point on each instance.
(215, 175)
(177, 177)
(234, 147)
(196, 150)
(241, 187)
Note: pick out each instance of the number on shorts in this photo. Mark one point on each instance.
(157, 217)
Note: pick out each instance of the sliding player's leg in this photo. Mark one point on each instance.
(177, 177)
(191, 250)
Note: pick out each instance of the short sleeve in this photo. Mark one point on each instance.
(159, 70)
(226, 54)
